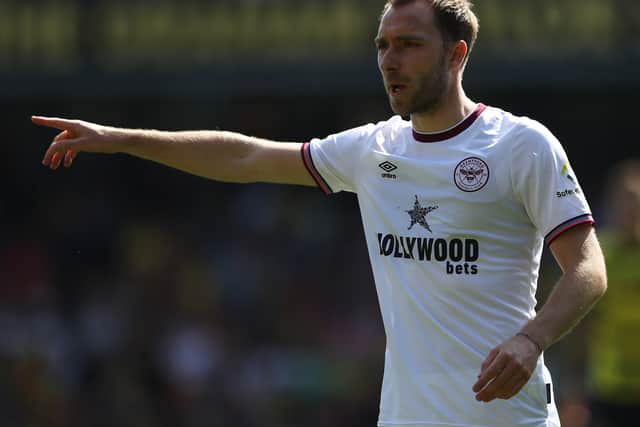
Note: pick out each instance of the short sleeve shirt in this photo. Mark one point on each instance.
(455, 224)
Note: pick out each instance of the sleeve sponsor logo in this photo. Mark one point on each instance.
(566, 171)
(568, 192)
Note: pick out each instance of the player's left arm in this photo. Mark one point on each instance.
(509, 366)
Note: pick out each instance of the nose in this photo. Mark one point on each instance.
(388, 60)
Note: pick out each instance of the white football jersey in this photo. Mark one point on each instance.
(455, 223)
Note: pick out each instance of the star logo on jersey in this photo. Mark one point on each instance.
(419, 213)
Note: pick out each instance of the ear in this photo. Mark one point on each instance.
(458, 54)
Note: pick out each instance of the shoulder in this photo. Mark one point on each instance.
(522, 135)
(528, 132)
(389, 128)
(366, 135)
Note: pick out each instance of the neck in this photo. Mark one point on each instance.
(449, 113)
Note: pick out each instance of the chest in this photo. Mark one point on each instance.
(440, 188)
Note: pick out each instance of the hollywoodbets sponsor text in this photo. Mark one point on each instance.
(457, 254)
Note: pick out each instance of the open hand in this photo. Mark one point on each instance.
(506, 369)
(75, 136)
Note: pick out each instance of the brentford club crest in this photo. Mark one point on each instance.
(471, 174)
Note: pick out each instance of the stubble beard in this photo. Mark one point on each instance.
(429, 92)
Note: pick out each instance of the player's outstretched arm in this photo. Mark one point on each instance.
(509, 366)
(219, 155)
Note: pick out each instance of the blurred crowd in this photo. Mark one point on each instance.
(262, 315)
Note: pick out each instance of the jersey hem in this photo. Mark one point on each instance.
(307, 160)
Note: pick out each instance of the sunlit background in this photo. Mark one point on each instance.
(136, 295)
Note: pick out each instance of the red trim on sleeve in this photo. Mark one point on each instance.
(567, 225)
(305, 151)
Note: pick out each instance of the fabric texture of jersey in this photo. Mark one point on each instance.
(455, 224)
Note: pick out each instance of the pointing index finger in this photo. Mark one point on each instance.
(54, 122)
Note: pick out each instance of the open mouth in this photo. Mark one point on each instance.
(396, 88)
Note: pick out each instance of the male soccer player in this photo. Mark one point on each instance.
(456, 204)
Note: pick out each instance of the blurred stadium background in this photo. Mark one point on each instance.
(135, 295)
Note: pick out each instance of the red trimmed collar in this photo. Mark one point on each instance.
(451, 132)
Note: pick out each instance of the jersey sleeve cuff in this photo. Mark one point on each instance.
(313, 171)
(567, 225)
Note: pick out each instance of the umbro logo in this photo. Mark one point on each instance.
(388, 167)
